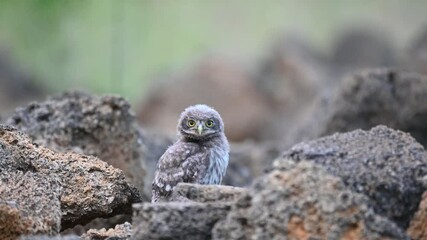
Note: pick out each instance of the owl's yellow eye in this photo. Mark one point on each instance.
(209, 123)
(191, 123)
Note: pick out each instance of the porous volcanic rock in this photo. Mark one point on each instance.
(100, 126)
(302, 201)
(386, 165)
(208, 193)
(177, 220)
(120, 232)
(29, 202)
(46, 237)
(90, 187)
(367, 99)
(418, 227)
(99, 223)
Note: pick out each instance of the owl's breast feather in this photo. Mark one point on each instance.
(218, 162)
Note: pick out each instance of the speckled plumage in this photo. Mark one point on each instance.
(199, 156)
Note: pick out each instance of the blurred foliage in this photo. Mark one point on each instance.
(120, 45)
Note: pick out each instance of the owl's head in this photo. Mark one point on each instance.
(200, 122)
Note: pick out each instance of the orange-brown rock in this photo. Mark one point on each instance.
(90, 187)
(102, 126)
(384, 164)
(29, 203)
(300, 202)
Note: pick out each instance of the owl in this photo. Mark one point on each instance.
(200, 154)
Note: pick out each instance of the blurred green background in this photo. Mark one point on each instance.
(119, 46)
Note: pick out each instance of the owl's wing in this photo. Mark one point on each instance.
(177, 164)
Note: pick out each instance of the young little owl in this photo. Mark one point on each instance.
(199, 156)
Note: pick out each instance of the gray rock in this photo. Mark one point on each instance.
(119, 232)
(367, 99)
(302, 201)
(386, 165)
(29, 203)
(100, 126)
(177, 220)
(360, 48)
(46, 237)
(290, 78)
(99, 223)
(90, 187)
(208, 193)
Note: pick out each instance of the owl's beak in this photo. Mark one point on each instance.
(200, 128)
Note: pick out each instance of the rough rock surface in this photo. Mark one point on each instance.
(120, 232)
(45, 237)
(213, 80)
(90, 187)
(99, 223)
(418, 227)
(386, 165)
(177, 220)
(100, 126)
(208, 193)
(367, 99)
(302, 201)
(23, 211)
